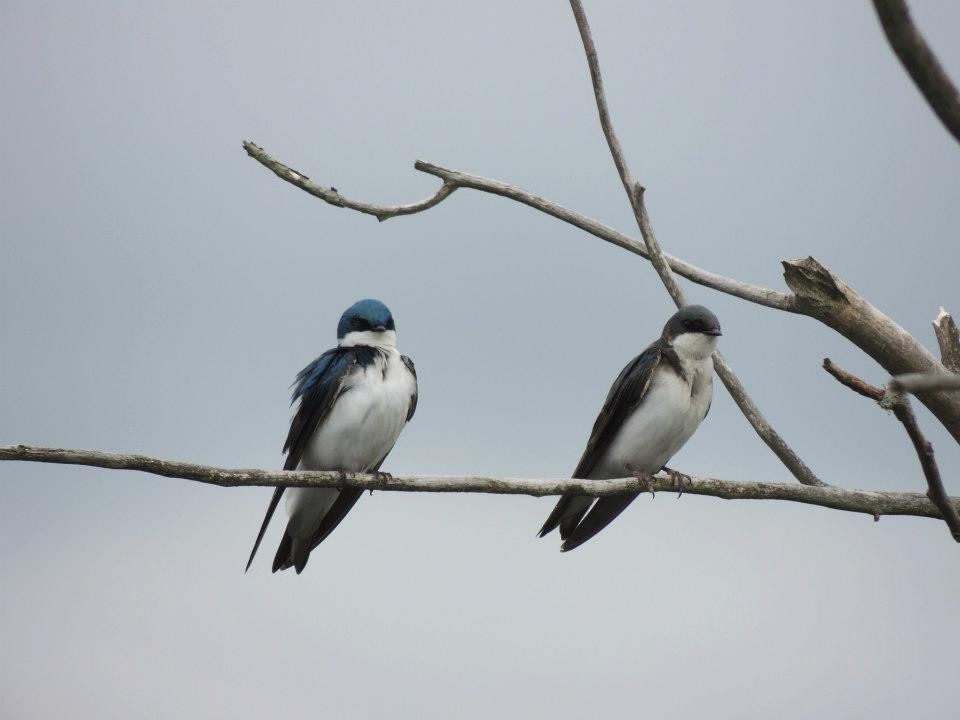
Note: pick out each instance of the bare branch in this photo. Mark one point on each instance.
(859, 501)
(948, 338)
(331, 196)
(823, 296)
(635, 193)
(920, 62)
(893, 399)
(453, 179)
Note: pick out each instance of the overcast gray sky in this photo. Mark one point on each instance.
(159, 291)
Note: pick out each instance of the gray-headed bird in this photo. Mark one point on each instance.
(655, 405)
(354, 401)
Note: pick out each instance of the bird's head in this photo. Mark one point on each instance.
(692, 331)
(367, 322)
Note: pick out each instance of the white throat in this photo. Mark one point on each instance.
(384, 339)
(694, 346)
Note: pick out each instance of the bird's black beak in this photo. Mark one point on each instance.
(713, 331)
(379, 328)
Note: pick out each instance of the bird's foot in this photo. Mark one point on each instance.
(646, 478)
(678, 478)
(383, 478)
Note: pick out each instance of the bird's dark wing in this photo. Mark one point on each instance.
(317, 387)
(625, 395)
(413, 398)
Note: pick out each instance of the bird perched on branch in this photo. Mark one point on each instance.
(354, 401)
(655, 405)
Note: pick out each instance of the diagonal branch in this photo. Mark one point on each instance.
(858, 501)
(894, 399)
(635, 193)
(920, 62)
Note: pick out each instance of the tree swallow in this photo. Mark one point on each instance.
(354, 401)
(654, 406)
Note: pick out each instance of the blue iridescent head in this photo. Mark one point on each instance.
(367, 320)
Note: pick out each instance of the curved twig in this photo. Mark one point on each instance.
(858, 501)
(333, 197)
(920, 62)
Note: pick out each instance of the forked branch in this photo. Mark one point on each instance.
(892, 398)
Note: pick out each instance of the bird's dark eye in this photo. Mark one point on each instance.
(688, 324)
(358, 323)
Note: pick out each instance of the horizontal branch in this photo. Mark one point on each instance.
(859, 501)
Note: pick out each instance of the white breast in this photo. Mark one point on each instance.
(366, 418)
(669, 414)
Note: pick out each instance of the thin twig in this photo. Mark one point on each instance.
(635, 193)
(333, 197)
(892, 398)
(859, 501)
(920, 62)
(853, 382)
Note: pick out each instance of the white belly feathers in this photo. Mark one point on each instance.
(360, 430)
(366, 418)
(670, 412)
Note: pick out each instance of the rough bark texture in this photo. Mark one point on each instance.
(948, 338)
(825, 297)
